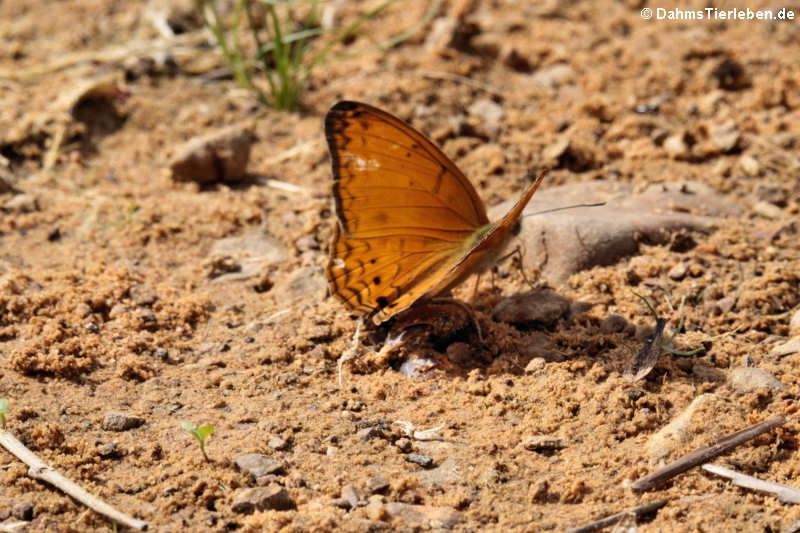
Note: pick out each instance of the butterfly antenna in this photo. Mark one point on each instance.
(598, 204)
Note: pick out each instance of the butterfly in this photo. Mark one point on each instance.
(410, 225)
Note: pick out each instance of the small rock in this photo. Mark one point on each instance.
(121, 422)
(724, 305)
(787, 348)
(307, 243)
(535, 365)
(538, 306)
(749, 165)
(772, 193)
(107, 450)
(443, 475)
(794, 324)
(425, 461)
(21, 203)
(277, 443)
(537, 443)
(376, 511)
(341, 503)
(675, 146)
(768, 210)
(745, 379)
(725, 135)
(708, 373)
(377, 485)
(258, 465)
(605, 234)
(553, 76)
(404, 445)
(330, 451)
(369, 433)
(487, 116)
(425, 515)
(678, 272)
(613, 323)
(218, 156)
(272, 498)
(23, 511)
(352, 495)
(682, 428)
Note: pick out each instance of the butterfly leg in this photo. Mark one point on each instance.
(518, 252)
(475, 289)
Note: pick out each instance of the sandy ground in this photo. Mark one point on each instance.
(120, 290)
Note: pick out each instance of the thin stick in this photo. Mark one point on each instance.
(41, 471)
(785, 493)
(692, 459)
(637, 511)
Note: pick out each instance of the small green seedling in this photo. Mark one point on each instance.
(3, 411)
(200, 433)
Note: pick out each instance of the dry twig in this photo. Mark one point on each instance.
(692, 459)
(785, 493)
(43, 472)
(637, 511)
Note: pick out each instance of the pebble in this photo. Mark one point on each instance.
(425, 461)
(768, 210)
(613, 231)
(675, 146)
(725, 135)
(424, 515)
(376, 511)
(537, 306)
(535, 365)
(404, 445)
(277, 443)
(376, 485)
(370, 433)
(447, 473)
(725, 305)
(221, 155)
(787, 348)
(258, 465)
(107, 450)
(749, 165)
(681, 429)
(352, 495)
(678, 272)
(794, 324)
(21, 203)
(772, 193)
(613, 323)
(745, 379)
(121, 422)
(538, 443)
(272, 498)
(553, 76)
(22, 511)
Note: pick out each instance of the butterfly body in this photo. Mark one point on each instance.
(410, 224)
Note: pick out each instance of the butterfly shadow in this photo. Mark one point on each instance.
(521, 334)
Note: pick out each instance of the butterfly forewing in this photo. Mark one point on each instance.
(404, 211)
(389, 179)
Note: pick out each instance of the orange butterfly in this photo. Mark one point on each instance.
(410, 224)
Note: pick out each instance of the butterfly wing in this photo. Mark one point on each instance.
(406, 213)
